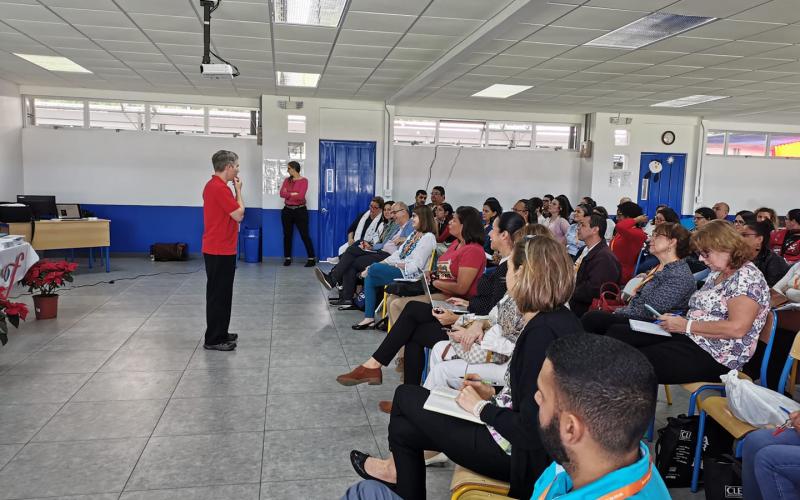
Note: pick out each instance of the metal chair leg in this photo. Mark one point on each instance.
(698, 452)
(668, 393)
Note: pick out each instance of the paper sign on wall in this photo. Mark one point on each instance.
(329, 178)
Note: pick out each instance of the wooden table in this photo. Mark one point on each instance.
(67, 234)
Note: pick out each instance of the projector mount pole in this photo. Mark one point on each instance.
(207, 8)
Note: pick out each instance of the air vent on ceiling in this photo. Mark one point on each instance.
(649, 29)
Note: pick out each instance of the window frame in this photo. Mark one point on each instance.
(727, 132)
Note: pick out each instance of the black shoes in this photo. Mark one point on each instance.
(358, 461)
(232, 337)
(364, 326)
(311, 262)
(324, 278)
(287, 262)
(224, 346)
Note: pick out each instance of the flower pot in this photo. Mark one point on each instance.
(46, 306)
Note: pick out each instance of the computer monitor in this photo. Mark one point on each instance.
(43, 207)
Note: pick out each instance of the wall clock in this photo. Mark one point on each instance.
(668, 137)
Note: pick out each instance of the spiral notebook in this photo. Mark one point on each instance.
(443, 400)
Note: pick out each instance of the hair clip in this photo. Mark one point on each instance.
(529, 237)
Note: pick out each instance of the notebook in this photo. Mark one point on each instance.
(443, 400)
(441, 304)
(646, 327)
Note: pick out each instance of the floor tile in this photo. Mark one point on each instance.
(205, 460)
(19, 423)
(54, 469)
(163, 340)
(106, 325)
(61, 362)
(148, 360)
(227, 492)
(304, 338)
(318, 489)
(69, 341)
(294, 356)
(21, 389)
(204, 383)
(315, 410)
(313, 453)
(212, 415)
(103, 420)
(119, 386)
(241, 358)
(300, 379)
(7, 452)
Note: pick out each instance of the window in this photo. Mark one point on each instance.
(622, 137)
(177, 118)
(297, 124)
(784, 145)
(715, 142)
(116, 115)
(232, 121)
(555, 136)
(747, 144)
(57, 112)
(509, 135)
(414, 131)
(461, 132)
(297, 150)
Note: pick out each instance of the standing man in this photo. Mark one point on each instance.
(222, 213)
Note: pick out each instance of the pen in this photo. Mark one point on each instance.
(785, 410)
(483, 381)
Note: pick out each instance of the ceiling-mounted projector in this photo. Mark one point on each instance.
(217, 71)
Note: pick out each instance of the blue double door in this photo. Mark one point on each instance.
(346, 186)
(661, 179)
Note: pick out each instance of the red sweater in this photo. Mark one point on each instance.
(299, 186)
(626, 245)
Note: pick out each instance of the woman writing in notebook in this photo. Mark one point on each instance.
(507, 445)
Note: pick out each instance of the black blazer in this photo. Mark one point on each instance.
(491, 288)
(520, 424)
(599, 266)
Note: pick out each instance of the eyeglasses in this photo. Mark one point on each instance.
(749, 234)
(397, 211)
(704, 253)
(738, 222)
(698, 217)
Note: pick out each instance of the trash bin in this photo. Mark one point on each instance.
(252, 244)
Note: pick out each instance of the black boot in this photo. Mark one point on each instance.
(311, 262)
(287, 261)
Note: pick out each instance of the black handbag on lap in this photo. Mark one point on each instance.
(405, 288)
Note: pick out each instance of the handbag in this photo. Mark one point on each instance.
(722, 477)
(675, 450)
(609, 300)
(405, 288)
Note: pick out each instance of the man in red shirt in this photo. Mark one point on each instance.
(629, 238)
(222, 213)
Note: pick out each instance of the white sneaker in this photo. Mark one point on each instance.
(332, 260)
(437, 460)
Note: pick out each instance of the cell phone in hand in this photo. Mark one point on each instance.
(652, 310)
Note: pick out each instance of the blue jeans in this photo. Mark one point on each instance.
(379, 274)
(771, 465)
(370, 490)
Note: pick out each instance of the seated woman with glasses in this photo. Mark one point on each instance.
(521, 208)
(664, 214)
(757, 234)
(703, 216)
(743, 217)
(720, 331)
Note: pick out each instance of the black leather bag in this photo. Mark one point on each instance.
(163, 252)
(405, 289)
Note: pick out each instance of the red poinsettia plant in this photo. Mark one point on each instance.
(10, 312)
(47, 276)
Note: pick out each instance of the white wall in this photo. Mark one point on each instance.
(130, 168)
(508, 175)
(10, 142)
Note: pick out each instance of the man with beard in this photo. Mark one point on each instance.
(596, 398)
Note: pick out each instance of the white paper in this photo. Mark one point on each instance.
(645, 327)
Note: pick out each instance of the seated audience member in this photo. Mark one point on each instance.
(789, 285)
(596, 399)
(360, 255)
(742, 218)
(574, 245)
(546, 201)
(564, 201)
(703, 216)
(610, 224)
(771, 464)
(666, 288)
(443, 213)
(595, 266)
(624, 199)
(521, 207)
(771, 265)
(458, 269)
(630, 238)
(418, 327)
(558, 223)
(507, 445)
(721, 329)
(767, 214)
(536, 211)
(491, 209)
(721, 210)
(409, 261)
(437, 196)
(786, 242)
(420, 200)
(367, 226)
(588, 201)
(493, 338)
(663, 214)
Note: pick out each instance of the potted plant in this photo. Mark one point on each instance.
(45, 277)
(10, 312)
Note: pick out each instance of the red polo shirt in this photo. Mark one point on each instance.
(219, 229)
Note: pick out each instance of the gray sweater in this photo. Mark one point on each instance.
(668, 291)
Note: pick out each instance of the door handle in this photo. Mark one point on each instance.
(324, 210)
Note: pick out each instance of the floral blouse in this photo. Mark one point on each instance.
(710, 303)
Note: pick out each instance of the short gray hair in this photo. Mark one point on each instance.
(222, 159)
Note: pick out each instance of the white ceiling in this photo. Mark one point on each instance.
(427, 52)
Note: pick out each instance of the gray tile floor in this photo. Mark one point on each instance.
(117, 398)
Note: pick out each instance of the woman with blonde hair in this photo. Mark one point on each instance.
(506, 445)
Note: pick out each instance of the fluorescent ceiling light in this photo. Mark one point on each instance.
(688, 101)
(501, 91)
(54, 63)
(309, 12)
(649, 29)
(289, 79)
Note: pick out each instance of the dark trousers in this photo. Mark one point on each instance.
(416, 329)
(412, 430)
(352, 262)
(291, 217)
(676, 359)
(220, 270)
(600, 322)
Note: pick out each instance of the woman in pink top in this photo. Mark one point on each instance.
(294, 213)
(558, 223)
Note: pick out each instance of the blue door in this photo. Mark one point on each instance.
(661, 177)
(346, 186)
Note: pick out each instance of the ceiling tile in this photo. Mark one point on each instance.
(649, 56)
(776, 11)
(423, 41)
(519, 31)
(560, 34)
(712, 9)
(362, 37)
(752, 63)
(127, 46)
(516, 61)
(598, 18)
(409, 7)
(78, 4)
(415, 54)
(724, 29)
(68, 42)
(355, 62)
(281, 57)
(173, 49)
(119, 34)
(35, 28)
(535, 49)
(177, 37)
(377, 22)
(158, 7)
(742, 48)
(502, 71)
(15, 11)
(701, 60)
(347, 72)
(467, 9)
(169, 23)
(785, 34)
(618, 67)
(561, 63)
(667, 70)
(304, 33)
(595, 53)
(240, 42)
(644, 5)
(787, 52)
(95, 18)
(685, 44)
(444, 26)
(241, 11)
(543, 12)
(321, 49)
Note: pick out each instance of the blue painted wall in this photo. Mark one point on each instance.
(135, 227)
